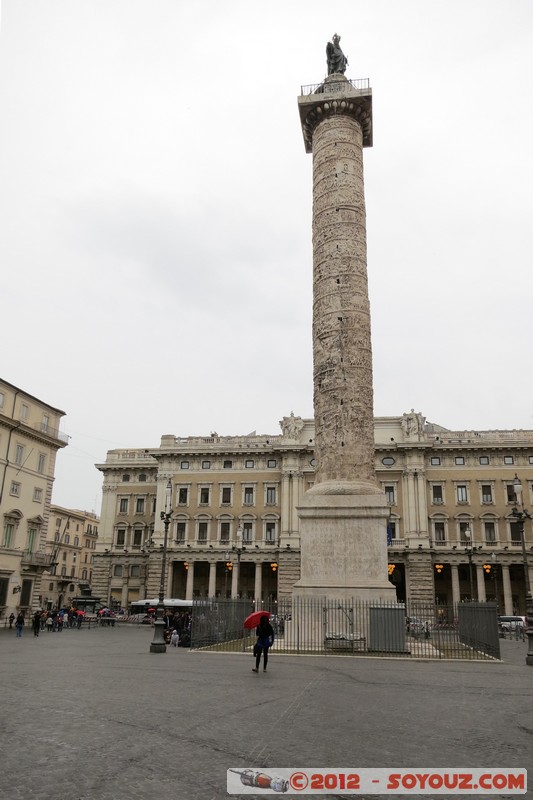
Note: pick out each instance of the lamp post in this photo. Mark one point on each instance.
(158, 643)
(469, 552)
(521, 517)
(239, 548)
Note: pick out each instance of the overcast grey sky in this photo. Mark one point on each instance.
(155, 206)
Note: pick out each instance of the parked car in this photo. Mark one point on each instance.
(511, 623)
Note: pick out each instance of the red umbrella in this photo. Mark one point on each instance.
(253, 620)
(151, 609)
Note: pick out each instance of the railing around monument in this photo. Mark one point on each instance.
(361, 85)
(353, 627)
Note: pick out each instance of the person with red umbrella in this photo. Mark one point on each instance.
(265, 640)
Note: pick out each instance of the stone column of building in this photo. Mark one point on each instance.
(189, 589)
(456, 589)
(422, 521)
(507, 592)
(285, 522)
(258, 581)
(480, 580)
(343, 517)
(212, 579)
(235, 580)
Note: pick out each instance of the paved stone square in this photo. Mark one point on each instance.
(93, 715)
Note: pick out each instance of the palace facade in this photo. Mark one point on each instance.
(234, 526)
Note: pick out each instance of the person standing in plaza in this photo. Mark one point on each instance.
(265, 640)
(36, 623)
(11, 621)
(19, 624)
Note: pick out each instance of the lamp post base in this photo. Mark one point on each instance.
(158, 644)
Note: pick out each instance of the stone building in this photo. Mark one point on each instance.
(71, 543)
(235, 531)
(29, 441)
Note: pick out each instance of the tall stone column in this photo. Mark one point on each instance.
(212, 579)
(189, 589)
(456, 590)
(507, 592)
(343, 517)
(258, 589)
(480, 581)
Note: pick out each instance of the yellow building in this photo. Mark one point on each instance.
(29, 441)
(71, 543)
(234, 527)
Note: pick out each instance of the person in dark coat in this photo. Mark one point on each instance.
(19, 624)
(36, 623)
(265, 640)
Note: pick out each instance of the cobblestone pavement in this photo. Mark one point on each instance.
(93, 715)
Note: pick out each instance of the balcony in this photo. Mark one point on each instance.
(37, 559)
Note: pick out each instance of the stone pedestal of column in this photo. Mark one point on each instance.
(343, 544)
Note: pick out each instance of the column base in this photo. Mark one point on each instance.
(343, 531)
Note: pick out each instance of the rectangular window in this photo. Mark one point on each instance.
(249, 464)
(184, 465)
(225, 531)
(226, 495)
(183, 496)
(1, 406)
(270, 532)
(202, 531)
(390, 495)
(248, 496)
(508, 459)
(123, 507)
(465, 534)
(121, 537)
(19, 455)
(206, 465)
(247, 533)
(462, 494)
(32, 539)
(484, 461)
(228, 464)
(271, 495)
(37, 494)
(392, 530)
(137, 537)
(490, 532)
(437, 495)
(435, 461)
(15, 489)
(9, 534)
(511, 494)
(45, 423)
(136, 571)
(24, 411)
(516, 533)
(139, 506)
(41, 462)
(486, 494)
(440, 531)
(204, 497)
(65, 555)
(460, 460)
(272, 463)
(180, 531)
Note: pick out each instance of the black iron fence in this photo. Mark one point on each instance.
(353, 627)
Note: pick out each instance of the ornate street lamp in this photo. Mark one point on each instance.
(158, 643)
(469, 552)
(521, 517)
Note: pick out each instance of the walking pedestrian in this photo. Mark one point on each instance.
(11, 621)
(19, 624)
(49, 624)
(265, 640)
(175, 638)
(36, 623)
